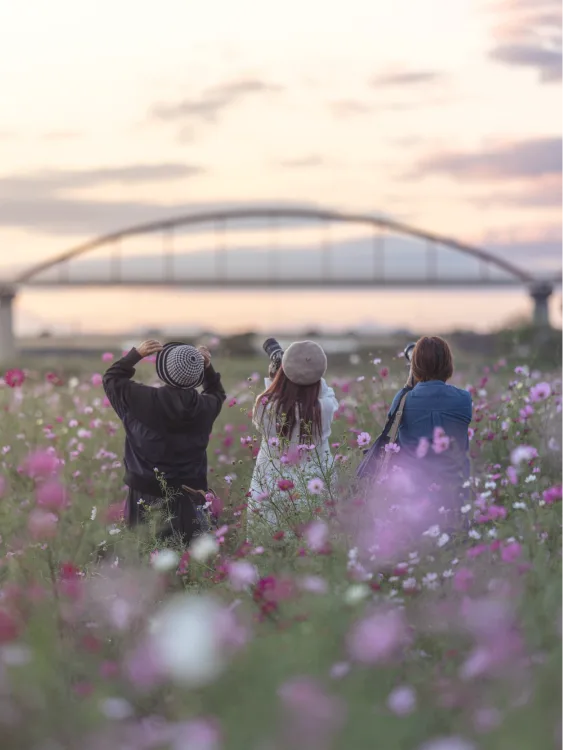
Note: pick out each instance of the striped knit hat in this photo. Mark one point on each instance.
(180, 365)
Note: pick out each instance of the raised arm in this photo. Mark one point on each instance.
(117, 380)
(213, 391)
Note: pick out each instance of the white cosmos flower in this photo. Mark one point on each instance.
(116, 708)
(185, 635)
(203, 547)
(164, 560)
(356, 593)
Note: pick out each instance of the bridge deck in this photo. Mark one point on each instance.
(243, 283)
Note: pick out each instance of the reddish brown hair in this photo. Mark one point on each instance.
(432, 359)
(286, 399)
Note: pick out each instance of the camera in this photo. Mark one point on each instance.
(408, 350)
(275, 353)
(272, 347)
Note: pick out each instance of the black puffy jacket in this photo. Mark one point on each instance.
(166, 429)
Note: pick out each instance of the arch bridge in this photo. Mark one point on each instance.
(392, 254)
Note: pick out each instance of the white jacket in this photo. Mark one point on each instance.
(269, 467)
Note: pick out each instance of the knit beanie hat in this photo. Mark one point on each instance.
(304, 362)
(180, 365)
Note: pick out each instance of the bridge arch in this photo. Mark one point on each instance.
(276, 213)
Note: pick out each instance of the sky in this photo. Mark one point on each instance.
(445, 115)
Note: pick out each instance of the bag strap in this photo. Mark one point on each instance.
(398, 416)
(394, 423)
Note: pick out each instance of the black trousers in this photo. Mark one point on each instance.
(181, 516)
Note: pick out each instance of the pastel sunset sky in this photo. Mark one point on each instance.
(444, 114)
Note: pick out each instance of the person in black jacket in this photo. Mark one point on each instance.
(166, 432)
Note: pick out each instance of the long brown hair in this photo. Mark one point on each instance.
(287, 400)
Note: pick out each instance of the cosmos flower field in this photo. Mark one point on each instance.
(366, 620)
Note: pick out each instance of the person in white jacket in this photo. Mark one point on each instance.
(293, 417)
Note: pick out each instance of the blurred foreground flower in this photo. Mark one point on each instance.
(163, 560)
(313, 715)
(203, 547)
(14, 378)
(41, 464)
(377, 637)
(186, 640)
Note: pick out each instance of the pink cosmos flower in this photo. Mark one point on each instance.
(512, 475)
(463, 579)
(384, 372)
(42, 525)
(511, 552)
(422, 447)
(526, 412)
(363, 439)
(52, 495)
(402, 700)
(313, 714)
(285, 485)
(292, 457)
(377, 638)
(552, 495)
(14, 378)
(143, 668)
(315, 486)
(392, 448)
(523, 453)
(96, 379)
(197, 734)
(107, 357)
(242, 574)
(316, 534)
(440, 441)
(540, 392)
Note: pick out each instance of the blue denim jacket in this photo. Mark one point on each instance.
(436, 404)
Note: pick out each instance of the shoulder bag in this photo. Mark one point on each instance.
(376, 458)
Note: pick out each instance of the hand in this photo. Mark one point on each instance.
(151, 346)
(206, 355)
(275, 364)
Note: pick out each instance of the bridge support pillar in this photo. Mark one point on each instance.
(7, 339)
(540, 293)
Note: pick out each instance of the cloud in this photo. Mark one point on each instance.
(212, 101)
(39, 201)
(525, 159)
(301, 163)
(48, 183)
(48, 212)
(544, 192)
(407, 78)
(528, 35)
(349, 108)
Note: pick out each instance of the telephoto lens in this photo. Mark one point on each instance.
(275, 353)
(409, 349)
(272, 347)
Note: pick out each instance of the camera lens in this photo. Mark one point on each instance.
(409, 349)
(271, 347)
